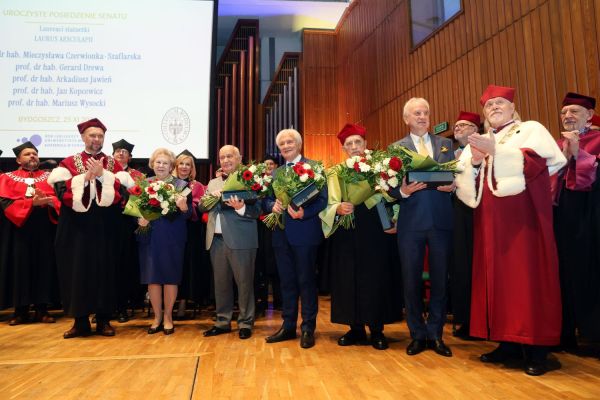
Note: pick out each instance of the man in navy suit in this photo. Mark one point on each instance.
(424, 221)
(295, 249)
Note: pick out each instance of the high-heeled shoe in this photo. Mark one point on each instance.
(156, 329)
(169, 331)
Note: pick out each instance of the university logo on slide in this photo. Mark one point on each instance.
(176, 125)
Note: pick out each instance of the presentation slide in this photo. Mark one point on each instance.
(143, 67)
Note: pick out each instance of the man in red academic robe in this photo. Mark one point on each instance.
(27, 265)
(577, 221)
(89, 186)
(515, 287)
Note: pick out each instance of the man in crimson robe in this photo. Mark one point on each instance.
(27, 264)
(515, 287)
(577, 221)
(89, 185)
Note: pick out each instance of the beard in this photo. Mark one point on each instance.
(30, 165)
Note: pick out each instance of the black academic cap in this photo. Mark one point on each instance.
(27, 145)
(186, 152)
(123, 144)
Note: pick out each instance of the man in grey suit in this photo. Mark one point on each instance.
(232, 239)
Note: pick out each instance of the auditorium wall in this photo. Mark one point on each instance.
(365, 70)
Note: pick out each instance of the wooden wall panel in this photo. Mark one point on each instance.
(543, 48)
(319, 95)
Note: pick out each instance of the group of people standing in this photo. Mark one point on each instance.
(488, 238)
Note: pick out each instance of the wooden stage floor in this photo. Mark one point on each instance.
(36, 363)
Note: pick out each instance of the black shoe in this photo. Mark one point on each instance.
(353, 337)
(18, 320)
(215, 330)
(169, 331)
(535, 368)
(123, 317)
(156, 329)
(499, 355)
(245, 333)
(76, 331)
(416, 346)
(379, 341)
(281, 335)
(104, 328)
(462, 332)
(307, 340)
(440, 347)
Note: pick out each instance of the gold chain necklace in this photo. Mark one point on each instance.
(511, 131)
(78, 160)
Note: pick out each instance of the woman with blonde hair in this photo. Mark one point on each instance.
(161, 249)
(195, 283)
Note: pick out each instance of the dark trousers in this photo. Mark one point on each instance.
(297, 272)
(411, 248)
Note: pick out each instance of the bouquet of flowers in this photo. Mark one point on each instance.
(151, 199)
(289, 182)
(389, 172)
(398, 160)
(357, 182)
(251, 178)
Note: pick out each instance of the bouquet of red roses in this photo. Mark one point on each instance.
(251, 178)
(289, 182)
(151, 199)
(357, 180)
(397, 161)
(388, 171)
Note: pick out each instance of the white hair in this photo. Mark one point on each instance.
(292, 132)
(413, 102)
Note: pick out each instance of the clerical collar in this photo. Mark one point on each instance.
(496, 130)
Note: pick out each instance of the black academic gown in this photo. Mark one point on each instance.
(577, 230)
(462, 260)
(365, 273)
(27, 265)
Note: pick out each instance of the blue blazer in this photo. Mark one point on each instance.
(299, 232)
(429, 208)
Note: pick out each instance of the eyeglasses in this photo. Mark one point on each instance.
(462, 126)
(121, 151)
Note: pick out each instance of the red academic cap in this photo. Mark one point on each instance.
(580, 100)
(349, 130)
(469, 116)
(92, 123)
(493, 91)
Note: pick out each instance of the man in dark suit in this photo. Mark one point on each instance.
(295, 250)
(232, 239)
(424, 221)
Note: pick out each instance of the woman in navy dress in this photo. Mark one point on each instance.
(161, 249)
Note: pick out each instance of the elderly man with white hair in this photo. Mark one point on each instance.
(424, 221)
(515, 288)
(295, 250)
